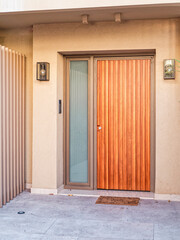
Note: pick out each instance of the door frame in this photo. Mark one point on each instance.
(152, 116)
(92, 67)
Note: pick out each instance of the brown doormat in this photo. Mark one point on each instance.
(118, 200)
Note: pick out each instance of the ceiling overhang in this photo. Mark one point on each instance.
(105, 14)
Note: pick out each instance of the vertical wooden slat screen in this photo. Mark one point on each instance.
(123, 112)
(12, 124)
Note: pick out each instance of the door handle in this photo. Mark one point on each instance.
(60, 106)
(99, 127)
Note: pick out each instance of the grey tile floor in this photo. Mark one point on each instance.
(50, 217)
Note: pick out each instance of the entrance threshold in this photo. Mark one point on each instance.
(116, 193)
(112, 193)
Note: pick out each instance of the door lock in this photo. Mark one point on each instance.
(99, 127)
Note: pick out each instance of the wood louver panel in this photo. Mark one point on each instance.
(12, 124)
(123, 112)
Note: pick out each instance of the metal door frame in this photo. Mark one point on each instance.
(93, 119)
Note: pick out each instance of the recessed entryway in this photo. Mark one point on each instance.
(108, 123)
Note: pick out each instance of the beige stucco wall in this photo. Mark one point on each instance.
(22, 40)
(162, 35)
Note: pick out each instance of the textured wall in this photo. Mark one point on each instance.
(21, 40)
(162, 35)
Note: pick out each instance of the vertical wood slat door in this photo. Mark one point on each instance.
(123, 124)
(12, 124)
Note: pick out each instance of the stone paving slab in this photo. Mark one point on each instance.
(78, 217)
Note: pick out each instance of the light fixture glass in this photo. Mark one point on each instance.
(169, 69)
(43, 71)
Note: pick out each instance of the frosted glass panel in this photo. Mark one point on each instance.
(78, 123)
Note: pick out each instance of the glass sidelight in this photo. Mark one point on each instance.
(78, 122)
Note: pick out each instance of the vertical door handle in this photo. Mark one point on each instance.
(60, 106)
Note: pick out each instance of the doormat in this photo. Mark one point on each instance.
(118, 200)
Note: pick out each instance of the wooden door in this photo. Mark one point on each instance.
(123, 124)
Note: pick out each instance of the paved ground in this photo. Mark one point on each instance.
(74, 217)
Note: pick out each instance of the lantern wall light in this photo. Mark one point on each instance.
(42, 71)
(169, 69)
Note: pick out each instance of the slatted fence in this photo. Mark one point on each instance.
(12, 124)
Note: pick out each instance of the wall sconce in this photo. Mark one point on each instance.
(42, 71)
(169, 69)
